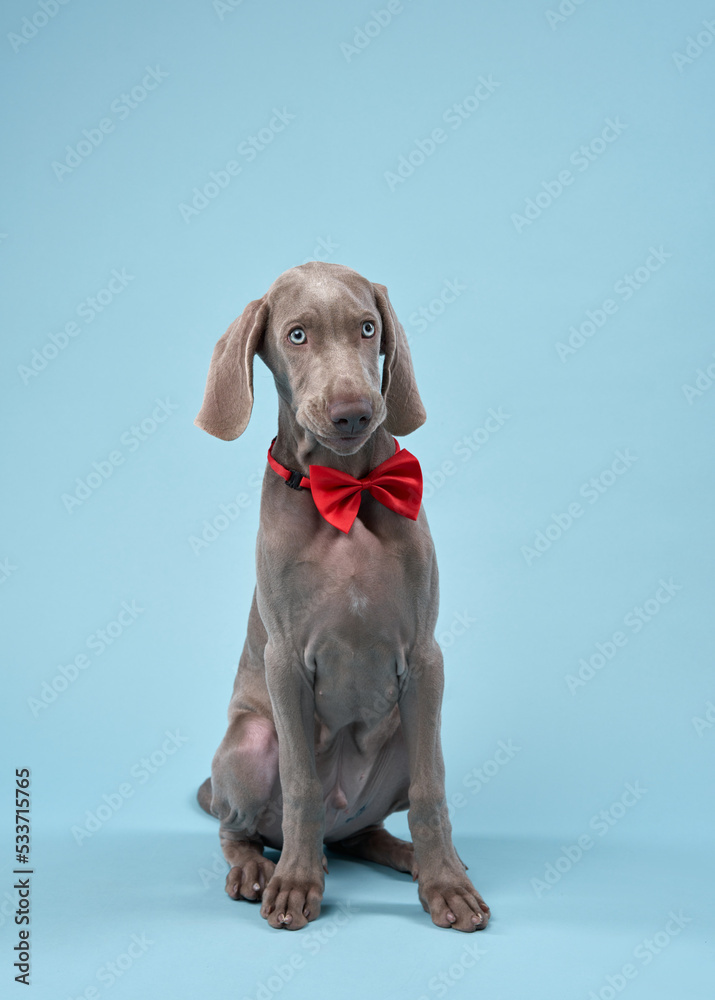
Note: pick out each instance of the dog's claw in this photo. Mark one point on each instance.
(291, 901)
(452, 901)
(247, 878)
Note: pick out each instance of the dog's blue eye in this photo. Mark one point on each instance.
(368, 329)
(297, 336)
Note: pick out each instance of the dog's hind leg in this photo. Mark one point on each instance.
(243, 781)
(203, 796)
(375, 843)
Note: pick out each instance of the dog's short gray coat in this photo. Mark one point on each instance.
(334, 721)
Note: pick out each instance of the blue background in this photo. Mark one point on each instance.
(514, 626)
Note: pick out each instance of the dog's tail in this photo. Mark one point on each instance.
(204, 796)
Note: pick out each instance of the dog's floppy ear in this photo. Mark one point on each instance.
(228, 399)
(405, 412)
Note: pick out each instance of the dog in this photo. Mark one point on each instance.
(334, 722)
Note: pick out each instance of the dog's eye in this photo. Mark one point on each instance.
(368, 328)
(297, 336)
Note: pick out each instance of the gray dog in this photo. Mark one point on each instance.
(334, 722)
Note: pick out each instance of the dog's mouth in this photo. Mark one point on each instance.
(344, 445)
(339, 438)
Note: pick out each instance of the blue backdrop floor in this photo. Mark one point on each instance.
(143, 913)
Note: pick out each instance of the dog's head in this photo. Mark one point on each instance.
(320, 329)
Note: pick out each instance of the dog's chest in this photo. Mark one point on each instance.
(355, 639)
(350, 607)
(357, 687)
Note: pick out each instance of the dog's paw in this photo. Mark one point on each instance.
(292, 900)
(452, 901)
(249, 879)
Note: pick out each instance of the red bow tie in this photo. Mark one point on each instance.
(396, 483)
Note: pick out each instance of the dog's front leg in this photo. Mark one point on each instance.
(293, 895)
(445, 891)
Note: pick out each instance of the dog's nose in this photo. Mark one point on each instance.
(351, 418)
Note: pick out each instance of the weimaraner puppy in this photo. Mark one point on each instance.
(334, 722)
